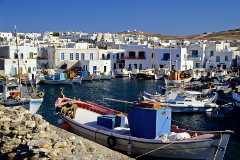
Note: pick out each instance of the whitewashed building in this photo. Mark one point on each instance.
(9, 59)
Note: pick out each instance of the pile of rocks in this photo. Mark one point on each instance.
(27, 136)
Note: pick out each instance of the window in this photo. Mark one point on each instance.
(22, 55)
(211, 53)
(62, 56)
(130, 67)
(71, 56)
(177, 55)
(218, 59)
(29, 69)
(31, 55)
(226, 58)
(141, 53)
(140, 66)
(82, 56)
(25, 61)
(108, 56)
(113, 56)
(16, 55)
(194, 53)
(225, 46)
(131, 54)
(77, 56)
(91, 56)
(34, 68)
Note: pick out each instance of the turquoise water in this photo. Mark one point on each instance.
(129, 90)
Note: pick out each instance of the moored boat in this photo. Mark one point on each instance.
(148, 135)
(192, 101)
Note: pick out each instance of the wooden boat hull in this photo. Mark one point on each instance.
(203, 146)
(194, 150)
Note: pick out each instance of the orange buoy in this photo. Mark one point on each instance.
(65, 126)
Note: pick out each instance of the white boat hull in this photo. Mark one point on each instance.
(96, 77)
(87, 78)
(67, 81)
(199, 149)
(77, 80)
(106, 77)
(186, 80)
(32, 105)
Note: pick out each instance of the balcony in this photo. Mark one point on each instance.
(132, 57)
(191, 57)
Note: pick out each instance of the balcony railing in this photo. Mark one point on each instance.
(132, 57)
(191, 57)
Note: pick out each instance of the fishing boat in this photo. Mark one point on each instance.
(144, 130)
(236, 99)
(106, 76)
(77, 79)
(178, 77)
(122, 72)
(13, 96)
(96, 75)
(223, 111)
(192, 101)
(146, 74)
(58, 78)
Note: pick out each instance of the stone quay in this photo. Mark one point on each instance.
(29, 137)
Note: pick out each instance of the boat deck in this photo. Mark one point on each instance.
(89, 118)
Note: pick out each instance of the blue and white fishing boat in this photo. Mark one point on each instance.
(13, 96)
(144, 130)
(58, 78)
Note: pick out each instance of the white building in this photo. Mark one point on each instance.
(9, 59)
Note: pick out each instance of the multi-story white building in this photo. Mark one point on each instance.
(6, 36)
(9, 59)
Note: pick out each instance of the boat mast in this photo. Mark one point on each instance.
(153, 59)
(18, 57)
(170, 57)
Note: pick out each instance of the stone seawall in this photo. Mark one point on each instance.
(26, 136)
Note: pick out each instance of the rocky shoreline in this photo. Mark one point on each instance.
(29, 136)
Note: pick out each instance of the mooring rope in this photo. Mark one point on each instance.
(153, 150)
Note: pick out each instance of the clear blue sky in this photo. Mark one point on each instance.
(169, 17)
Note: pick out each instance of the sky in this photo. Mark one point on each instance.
(168, 17)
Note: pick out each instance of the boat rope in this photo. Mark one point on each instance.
(178, 122)
(96, 134)
(163, 126)
(154, 150)
(118, 100)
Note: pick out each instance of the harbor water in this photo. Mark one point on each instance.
(129, 90)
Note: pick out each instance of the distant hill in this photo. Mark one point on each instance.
(223, 35)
